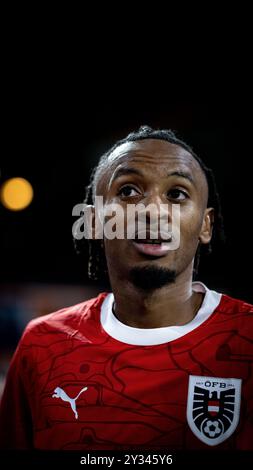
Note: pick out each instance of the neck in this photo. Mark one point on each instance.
(174, 304)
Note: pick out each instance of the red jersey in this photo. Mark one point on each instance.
(82, 380)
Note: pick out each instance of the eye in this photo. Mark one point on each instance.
(177, 194)
(128, 191)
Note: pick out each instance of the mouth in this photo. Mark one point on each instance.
(156, 248)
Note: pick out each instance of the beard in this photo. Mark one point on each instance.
(149, 278)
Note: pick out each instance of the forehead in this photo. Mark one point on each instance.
(151, 154)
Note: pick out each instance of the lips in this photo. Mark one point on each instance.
(159, 248)
(149, 244)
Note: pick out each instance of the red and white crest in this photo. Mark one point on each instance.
(213, 407)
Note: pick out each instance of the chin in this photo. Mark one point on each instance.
(150, 276)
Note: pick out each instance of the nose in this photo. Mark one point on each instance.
(157, 205)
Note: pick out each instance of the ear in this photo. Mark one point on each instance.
(207, 226)
(85, 225)
(88, 220)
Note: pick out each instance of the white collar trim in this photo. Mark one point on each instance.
(154, 336)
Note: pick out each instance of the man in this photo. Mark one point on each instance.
(159, 363)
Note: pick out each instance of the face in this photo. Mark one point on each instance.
(156, 172)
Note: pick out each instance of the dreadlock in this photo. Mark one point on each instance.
(97, 268)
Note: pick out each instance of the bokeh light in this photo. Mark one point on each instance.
(16, 194)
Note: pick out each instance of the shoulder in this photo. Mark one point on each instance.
(235, 306)
(235, 315)
(67, 320)
(51, 336)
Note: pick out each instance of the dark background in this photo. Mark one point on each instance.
(54, 139)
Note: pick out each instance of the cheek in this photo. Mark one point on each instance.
(115, 249)
(190, 224)
(114, 217)
(118, 256)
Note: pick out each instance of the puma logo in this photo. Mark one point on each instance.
(60, 393)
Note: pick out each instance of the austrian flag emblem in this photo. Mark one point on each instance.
(213, 407)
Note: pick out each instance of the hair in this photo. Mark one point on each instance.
(97, 268)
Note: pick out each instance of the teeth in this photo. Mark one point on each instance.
(150, 242)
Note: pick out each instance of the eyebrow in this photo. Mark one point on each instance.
(182, 174)
(134, 171)
(126, 171)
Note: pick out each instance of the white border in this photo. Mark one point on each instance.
(155, 336)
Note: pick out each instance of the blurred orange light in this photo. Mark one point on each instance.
(16, 194)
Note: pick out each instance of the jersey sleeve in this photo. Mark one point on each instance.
(15, 413)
